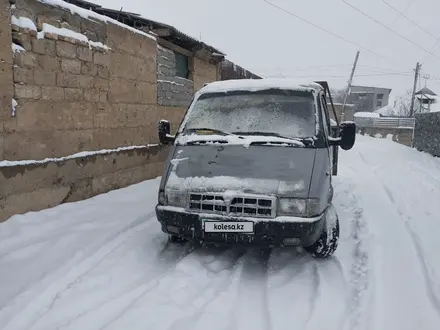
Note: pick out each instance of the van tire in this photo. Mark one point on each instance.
(325, 246)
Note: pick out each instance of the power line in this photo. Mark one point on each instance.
(404, 11)
(327, 31)
(409, 19)
(407, 74)
(432, 50)
(388, 28)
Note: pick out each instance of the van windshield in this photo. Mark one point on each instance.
(287, 113)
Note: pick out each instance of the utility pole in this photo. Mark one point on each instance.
(416, 76)
(347, 91)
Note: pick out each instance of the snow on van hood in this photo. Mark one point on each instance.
(257, 170)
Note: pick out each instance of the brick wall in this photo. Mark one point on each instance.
(229, 70)
(98, 92)
(427, 133)
(171, 90)
(72, 97)
(32, 187)
(6, 87)
(204, 72)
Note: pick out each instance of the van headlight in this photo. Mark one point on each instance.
(172, 198)
(298, 207)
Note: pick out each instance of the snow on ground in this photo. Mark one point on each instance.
(103, 263)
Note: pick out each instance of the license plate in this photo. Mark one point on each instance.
(228, 227)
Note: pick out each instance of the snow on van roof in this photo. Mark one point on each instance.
(260, 84)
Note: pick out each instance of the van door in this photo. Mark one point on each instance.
(327, 131)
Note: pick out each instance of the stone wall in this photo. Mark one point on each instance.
(203, 73)
(32, 187)
(400, 135)
(74, 95)
(171, 90)
(6, 86)
(93, 88)
(427, 133)
(229, 70)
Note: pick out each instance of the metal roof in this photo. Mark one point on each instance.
(137, 21)
(426, 91)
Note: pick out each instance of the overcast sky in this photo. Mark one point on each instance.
(271, 42)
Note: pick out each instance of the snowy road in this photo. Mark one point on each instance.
(104, 263)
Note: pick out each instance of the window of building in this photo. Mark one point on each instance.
(182, 65)
(379, 103)
(380, 96)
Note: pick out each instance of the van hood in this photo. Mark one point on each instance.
(274, 170)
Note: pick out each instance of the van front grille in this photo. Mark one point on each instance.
(243, 205)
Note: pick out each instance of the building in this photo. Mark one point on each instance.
(82, 89)
(426, 101)
(367, 98)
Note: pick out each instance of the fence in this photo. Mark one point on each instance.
(390, 122)
(427, 133)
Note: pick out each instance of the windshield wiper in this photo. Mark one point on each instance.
(217, 131)
(305, 141)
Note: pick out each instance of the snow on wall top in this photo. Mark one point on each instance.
(88, 14)
(6, 163)
(259, 84)
(367, 114)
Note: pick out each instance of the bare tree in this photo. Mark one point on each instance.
(338, 95)
(402, 104)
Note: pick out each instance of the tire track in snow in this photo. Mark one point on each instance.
(360, 270)
(134, 295)
(429, 283)
(170, 252)
(316, 292)
(217, 285)
(44, 301)
(251, 308)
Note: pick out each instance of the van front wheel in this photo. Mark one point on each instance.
(327, 243)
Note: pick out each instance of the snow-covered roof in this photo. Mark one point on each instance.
(89, 9)
(387, 110)
(426, 91)
(89, 14)
(367, 114)
(260, 84)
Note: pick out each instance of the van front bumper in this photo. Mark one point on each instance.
(279, 231)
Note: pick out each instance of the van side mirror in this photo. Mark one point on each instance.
(164, 130)
(347, 134)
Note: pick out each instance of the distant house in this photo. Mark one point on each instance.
(426, 101)
(367, 98)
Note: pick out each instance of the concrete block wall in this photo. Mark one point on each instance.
(72, 97)
(32, 187)
(400, 135)
(171, 90)
(6, 85)
(229, 70)
(204, 72)
(427, 133)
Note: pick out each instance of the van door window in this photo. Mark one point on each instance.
(325, 118)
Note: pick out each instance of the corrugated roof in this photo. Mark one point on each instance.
(137, 21)
(426, 91)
